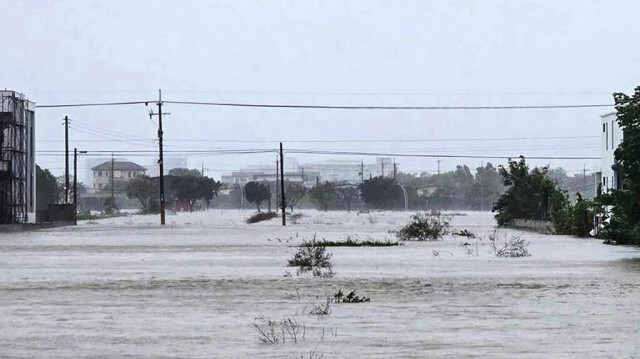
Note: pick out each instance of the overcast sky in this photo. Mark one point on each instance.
(395, 53)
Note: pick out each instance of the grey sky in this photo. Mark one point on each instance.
(331, 52)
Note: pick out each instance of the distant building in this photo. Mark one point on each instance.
(121, 172)
(342, 171)
(17, 158)
(611, 136)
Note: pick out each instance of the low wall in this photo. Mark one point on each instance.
(544, 227)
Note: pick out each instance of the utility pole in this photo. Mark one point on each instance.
(160, 157)
(584, 174)
(66, 159)
(382, 164)
(395, 169)
(75, 186)
(362, 171)
(112, 184)
(284, 203)
(277, 185)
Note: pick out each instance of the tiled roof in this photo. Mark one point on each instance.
(118, 166)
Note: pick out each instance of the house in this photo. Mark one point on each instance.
(120, 171)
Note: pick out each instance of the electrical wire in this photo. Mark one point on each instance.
(334, 107)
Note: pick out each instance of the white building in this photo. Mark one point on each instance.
(120, 171)
(610, 138)
(17, 158)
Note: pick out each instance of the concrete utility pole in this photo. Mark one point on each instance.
(160, 156)
(75, 184)
(66, 159)
(284, 202)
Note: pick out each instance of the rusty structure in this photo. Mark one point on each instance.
(17, 158)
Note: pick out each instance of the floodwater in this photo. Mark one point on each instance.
(125, 287)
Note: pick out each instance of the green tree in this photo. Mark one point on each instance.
(529, 195)
(209, 188)
(381, 193)
(294, 193)
(323, 194)
(348, 195)
(47, 188)
(142, 189)
(256, 192)
(624, 226)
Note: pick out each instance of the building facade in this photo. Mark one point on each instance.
(610, 138)
(120, 172)
(17, 159)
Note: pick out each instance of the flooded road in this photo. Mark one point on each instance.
(124, 287)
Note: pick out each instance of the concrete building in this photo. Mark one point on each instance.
(610, 138)
(17, 159)
(121, 172)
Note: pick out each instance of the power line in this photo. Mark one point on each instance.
(330, 107)
(93, 104)
(433, 155)
(334, 107)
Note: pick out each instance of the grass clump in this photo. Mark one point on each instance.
(262, 216)
(339, 297)
(424, 227)
(314, 259)
(349, 242)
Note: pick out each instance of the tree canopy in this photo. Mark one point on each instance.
(323, 194)
(256, 192)
(624, 227)
(48, 191)
(530, 194)
(142, 189)
(381, 193)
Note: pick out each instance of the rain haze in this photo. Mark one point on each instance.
(385, 245)
(411, 53)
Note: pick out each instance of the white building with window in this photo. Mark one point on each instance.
(611, 136)
(123, 171)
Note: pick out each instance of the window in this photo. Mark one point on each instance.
(603, 126)
(99, 174)
(606, 136)
(129, 174)
(612, 135)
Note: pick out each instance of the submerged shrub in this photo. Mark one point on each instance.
(516, 247)
(314, 259)
(262, 216)
(339, 297)
(424, 227)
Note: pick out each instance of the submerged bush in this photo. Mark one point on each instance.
(262, 216)
(339, 297)
(424, 227)
(314, 259)
(516, 247)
